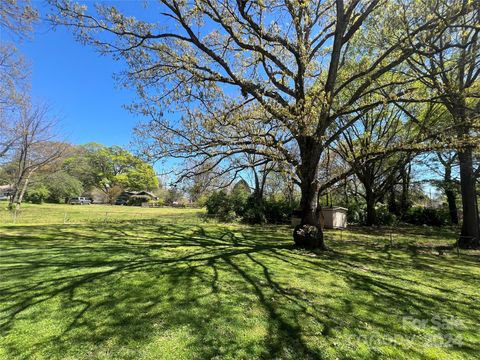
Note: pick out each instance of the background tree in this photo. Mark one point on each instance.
(110, 169)
(381, 128)
(36, 147)
(449, 66)
(444, 165)
(62, 186)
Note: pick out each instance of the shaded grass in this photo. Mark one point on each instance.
(149, 290)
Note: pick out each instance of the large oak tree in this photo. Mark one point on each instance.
(304, 63)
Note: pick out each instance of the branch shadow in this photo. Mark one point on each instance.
(133, 288)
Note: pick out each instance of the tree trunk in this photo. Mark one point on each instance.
(371, 213)
(452, 205)
(20, 189)
(405, 196)
(470, 234)
(24, 189)
(450, 194)
(392, 201)
(309, 233)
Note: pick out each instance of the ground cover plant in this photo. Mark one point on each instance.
(147, 289)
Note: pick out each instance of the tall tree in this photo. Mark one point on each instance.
(114, 167)
(288, 57)
(449, 65)
(381, 128)
(448, 184)
(16, 19)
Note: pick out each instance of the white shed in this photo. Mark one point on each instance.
(334, 217)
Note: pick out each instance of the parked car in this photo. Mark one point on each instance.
(80, 201)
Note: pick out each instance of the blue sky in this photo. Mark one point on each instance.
(78, 85)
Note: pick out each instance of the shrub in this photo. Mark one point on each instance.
(239, 205)
(62, 186)
(217, 202)
(221, 205)
(355, 214)
(384, 216)
(279, 211)
(137, 200)
(253, 212)
(427, 216)
(37, 194)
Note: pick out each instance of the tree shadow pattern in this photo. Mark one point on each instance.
(143, 290)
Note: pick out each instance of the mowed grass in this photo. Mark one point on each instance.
(147, 289)
(74, 214)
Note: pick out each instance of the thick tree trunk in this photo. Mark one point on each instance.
(470, 234)
(371, 213)
(309, 233)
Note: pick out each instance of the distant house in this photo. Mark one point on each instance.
(6, 191)
(123, 198)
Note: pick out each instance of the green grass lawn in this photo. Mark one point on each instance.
(74, 214)
(152, 289)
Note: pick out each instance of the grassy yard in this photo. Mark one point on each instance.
(147, 288)
(74, 214)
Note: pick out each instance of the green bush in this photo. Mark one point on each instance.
(427, 216)
(253, 212)
(37, 194)
(137, 200)
(223, 206)
(355, 213)
(384, 216)
(279, 211)
(217, 202)
(62, 186)
(228, 207)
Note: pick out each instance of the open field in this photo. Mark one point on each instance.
(146, 288)
(74, 214)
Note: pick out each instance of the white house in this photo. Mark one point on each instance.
(5, 192)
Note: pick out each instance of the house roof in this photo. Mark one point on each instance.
(142, 192)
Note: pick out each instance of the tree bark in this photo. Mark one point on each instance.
(309, 233)
(452, 206)
(470, 234)
(371, 213)
(405, 196)
(450, 194)
(392, 201)
(20, 189)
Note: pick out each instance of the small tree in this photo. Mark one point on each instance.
(34, 149)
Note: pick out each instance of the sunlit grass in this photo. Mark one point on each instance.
(143, 289)
(72, 214)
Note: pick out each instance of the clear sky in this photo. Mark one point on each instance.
(78, 85)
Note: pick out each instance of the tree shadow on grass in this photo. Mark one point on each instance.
(137, 289)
